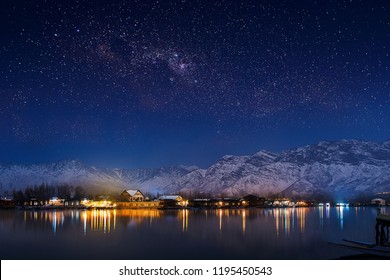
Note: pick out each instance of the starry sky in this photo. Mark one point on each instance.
(159, 83)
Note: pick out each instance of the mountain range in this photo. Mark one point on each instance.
(339, 169)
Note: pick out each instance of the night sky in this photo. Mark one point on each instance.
(160, 83)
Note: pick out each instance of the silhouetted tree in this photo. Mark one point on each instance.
(79, 193)
(18, 196)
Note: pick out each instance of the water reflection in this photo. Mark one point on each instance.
(158, 234)
(220, 219)
(183, 215)
(243, 220)
(286, 221)
(226, 217)
(100, 220)
(53, 218)
(321, 216)
(105, 220)
(287, 218)
(97, 220)
(327, 212)
(340, 216)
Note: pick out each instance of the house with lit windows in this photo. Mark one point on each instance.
(132, 195)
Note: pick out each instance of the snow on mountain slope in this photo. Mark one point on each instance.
(344, 168)
(75, 173)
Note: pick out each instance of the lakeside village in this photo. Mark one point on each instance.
(135, 199)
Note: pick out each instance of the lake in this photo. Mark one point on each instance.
(277, 233)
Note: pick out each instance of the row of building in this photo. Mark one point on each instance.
(127, 199)
(136, 199)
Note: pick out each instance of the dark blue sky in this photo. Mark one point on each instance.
(157, 83)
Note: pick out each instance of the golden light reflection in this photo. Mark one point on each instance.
(219, 213)
(183, 215)
(105, 220)
(287, 221)
(139, 215)
(100, 220)
(227, 213)
(114, 216)
(97, 220)
(243, 215)
(286, 218)
(302, 218)
(293, 218)
(277, 221)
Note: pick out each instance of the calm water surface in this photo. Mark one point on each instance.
(290, 233)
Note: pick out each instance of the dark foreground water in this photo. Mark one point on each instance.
(290, 233)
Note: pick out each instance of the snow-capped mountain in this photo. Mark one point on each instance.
(346, 168)
(75, 173)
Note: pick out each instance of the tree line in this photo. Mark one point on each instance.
(46, 192)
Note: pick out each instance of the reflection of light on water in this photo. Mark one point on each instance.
(243, 221)
(229, 216)
(75, 215)
(54, 223)
(135, 217)
(220, 219)
(91, 219)
(285, 219)
(114, 214)
(104, 221)
(321, 214)
(287, 222)
(277, 222)
(293, 219)
(101, 220)
(183, 215)
(327, 212)
(302, 218)
(58, 219)
(340, 216)
(85, 222)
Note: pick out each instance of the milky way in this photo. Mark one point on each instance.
(236, 76)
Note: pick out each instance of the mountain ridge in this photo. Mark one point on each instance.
(344, 168)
